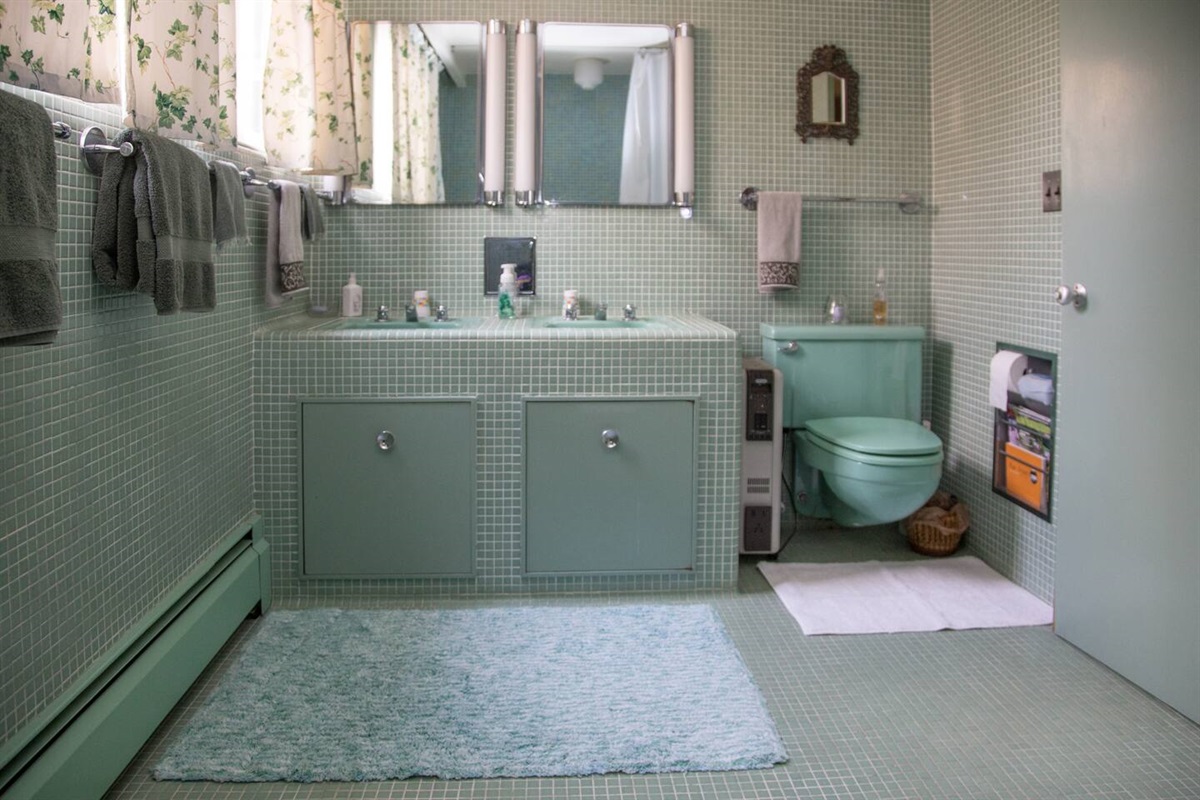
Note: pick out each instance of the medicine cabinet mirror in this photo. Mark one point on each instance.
(607, 129)
(827, 96)
(419, 97)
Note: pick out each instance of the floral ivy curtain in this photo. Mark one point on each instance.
(181, 69)
(66, 47)
(362, 78)
(417, 165)
(308, 106)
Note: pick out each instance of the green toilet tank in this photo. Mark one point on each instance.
(846, 370)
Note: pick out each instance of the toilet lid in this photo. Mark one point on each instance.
(881, 436)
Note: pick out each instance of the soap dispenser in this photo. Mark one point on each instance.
(508, 291)
(879, 303)
(352, 298)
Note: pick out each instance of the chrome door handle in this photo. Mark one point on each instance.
(610, 438)
(1076, 295)
(385, 441)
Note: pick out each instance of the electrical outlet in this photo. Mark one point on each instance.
(1052, 190)
(756, 528)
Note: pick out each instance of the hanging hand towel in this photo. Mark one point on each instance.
(30, 302)
(285, 243)
(778, 241)
(314, 222)
(115, 226)
(229, 204)
(172, 199)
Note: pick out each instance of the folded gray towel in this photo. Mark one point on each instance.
(172, 198)
(30, 301)
(314, 221)
(285, 244)
(229, 204)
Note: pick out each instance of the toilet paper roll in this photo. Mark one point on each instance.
(1007, 368)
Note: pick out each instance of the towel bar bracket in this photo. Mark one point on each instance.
(94, 146)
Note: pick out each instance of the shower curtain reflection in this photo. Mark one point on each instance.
(646, 150)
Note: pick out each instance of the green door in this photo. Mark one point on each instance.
(388, 488)
(609, 486)
(1125, 587)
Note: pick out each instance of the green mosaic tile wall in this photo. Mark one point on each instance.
(996, 256)
(125, 449)
(746, 61)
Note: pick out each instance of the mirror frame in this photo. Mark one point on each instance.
(826, 58)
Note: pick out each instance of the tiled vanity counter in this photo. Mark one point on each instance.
(672, 386)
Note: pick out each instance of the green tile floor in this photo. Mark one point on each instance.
(1003, 714)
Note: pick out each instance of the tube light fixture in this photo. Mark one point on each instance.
(525, 133)
(685, 118)
(493, 113)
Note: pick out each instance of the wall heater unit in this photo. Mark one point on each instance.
(762, 458)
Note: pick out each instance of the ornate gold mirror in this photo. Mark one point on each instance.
(827, 96)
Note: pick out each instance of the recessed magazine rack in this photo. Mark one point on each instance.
(1023, 444)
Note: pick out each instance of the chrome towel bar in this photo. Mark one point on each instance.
(908, 202)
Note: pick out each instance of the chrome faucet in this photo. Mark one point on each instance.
(382, 314)
(441, 315)
(630, 312)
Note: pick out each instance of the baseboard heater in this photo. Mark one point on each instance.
(81, 744)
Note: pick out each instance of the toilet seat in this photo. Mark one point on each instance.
(881, 441)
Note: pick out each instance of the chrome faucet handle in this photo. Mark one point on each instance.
(441, 315)
(382, 314)
(630, 312)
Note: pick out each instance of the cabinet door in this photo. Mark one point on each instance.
(591, 507)
(374, 508)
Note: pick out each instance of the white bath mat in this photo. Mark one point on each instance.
(902, 596)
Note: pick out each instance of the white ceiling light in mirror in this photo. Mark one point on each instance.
(616, 114)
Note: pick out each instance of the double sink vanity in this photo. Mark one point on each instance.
(477, 455)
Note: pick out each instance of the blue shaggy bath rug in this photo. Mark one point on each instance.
(332, 695)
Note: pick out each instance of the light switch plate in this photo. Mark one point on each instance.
(1052, 190)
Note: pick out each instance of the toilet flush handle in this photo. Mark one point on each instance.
(789, 347)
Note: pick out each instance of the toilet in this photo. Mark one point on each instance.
(852, 403)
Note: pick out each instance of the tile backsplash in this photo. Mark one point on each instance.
(746, 62)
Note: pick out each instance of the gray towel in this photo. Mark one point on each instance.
(314, 222)
(285, 243)
(172, 198)
(229, 204)
(778, 241)
(30, 302)
(115, 227)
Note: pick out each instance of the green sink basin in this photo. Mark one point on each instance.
(367, 324)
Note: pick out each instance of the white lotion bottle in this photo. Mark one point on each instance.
(352, 298)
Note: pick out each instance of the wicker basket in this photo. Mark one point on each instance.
(936, 529)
